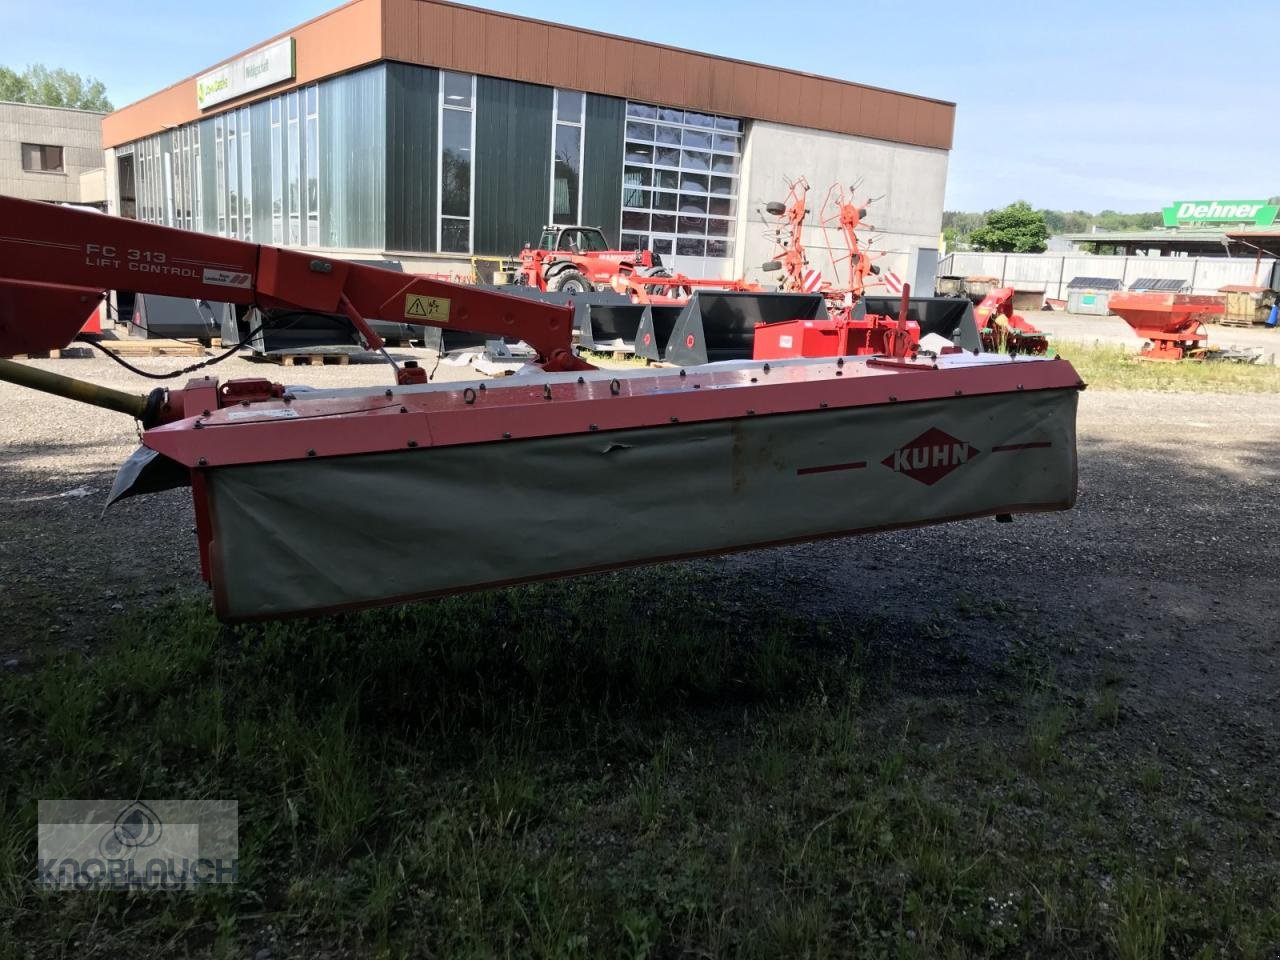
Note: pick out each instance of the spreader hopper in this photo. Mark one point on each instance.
(1171, 323)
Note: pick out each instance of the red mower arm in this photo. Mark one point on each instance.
(45, 244)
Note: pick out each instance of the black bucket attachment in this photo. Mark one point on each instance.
(655, 330)
(607, 322)
(157, 316)
(950, 317)
(291, 330)
(458, 341)
(721, 324)
(288, 331)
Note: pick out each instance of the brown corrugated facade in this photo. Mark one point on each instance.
(469, 40)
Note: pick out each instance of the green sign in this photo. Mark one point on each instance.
(1184, 213)
(259, 68)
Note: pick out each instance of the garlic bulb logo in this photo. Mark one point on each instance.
(136, 826)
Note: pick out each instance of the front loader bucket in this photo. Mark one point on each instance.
(655, 330)
(289, 331)
(156, 316)
(607, 322)
(721, 324)
(949, 317)
(449, 340)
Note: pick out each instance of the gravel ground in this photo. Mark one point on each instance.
(1166, 570)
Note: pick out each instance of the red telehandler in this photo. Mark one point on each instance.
(578, 260)
(299, 494)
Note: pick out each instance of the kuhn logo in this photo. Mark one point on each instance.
(227, 278)
(930, 456)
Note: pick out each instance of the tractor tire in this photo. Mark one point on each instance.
(572, 282)
(658, 289)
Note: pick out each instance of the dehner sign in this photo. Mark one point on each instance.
(261, 68)
(1183, 212)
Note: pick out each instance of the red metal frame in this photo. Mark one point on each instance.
(341, 423)
(58, 245)
(676, 289)
(788, 237)
(1170, 322)
(38, 317)
(596, 266)
(849, 216)
(1003, 330)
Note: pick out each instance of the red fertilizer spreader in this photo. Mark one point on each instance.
(1171, 323)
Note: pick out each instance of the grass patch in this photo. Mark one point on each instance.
(628, 765)
(617, 360)
(1114, 368)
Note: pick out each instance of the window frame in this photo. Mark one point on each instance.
(246, 175)
(441, 107)
(276, 117)
(220, 173)
(59, 171)
(680, 161)
(232, 141)
(293, 166)
(310, 117)
(556, 124)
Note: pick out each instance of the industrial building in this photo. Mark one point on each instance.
(432, 132)
(52, 154)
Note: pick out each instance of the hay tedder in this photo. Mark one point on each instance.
(299, 494)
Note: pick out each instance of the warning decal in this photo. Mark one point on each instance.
(426, 309)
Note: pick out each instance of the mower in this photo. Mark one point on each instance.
(299, 494)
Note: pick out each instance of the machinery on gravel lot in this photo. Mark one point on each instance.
(577, 260)
(1004, 331)
(299, 494)
(1172, 326)
(807, 317)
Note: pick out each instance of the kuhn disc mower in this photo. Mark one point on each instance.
(299, 494)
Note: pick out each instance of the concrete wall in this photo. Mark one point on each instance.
(1051, 272)
(911, 181)
(78, 132)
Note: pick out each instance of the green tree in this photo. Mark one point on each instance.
(1077, 221)
(1015, 229)
(53, 88)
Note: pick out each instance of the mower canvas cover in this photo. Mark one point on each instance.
(301, 502)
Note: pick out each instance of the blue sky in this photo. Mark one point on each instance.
(1127, 104)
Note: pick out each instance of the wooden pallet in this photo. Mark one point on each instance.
(312, 359)
(62, 354)
(153, 348)
(1234, 321)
